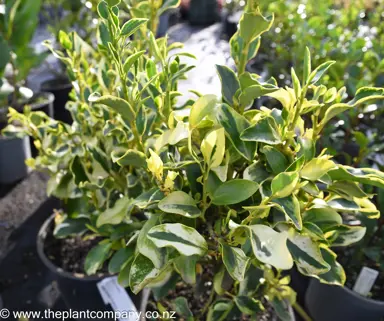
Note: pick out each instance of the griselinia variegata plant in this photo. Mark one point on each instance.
(216, 186)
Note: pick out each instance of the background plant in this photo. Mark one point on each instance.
(17, 27)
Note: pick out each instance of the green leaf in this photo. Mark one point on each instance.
(296, 83)
(270, 247)
(131, 26)
(142, 272)
(235, 261)
(115, 214)
(146, 247)
(180, 203)
(307, 255)
(367, 176)
(307, 65)
(186, 267)
(362, 96)
(132, 59)
(113, 3)
(347, 189)
(344, 235)
(336, 274)
(123, 277)
(316, 75)
(130, 158)
(317, 167)
(229, 83)
(4, 54)
(120, 258)
(186, 240)
(168, 4)
(70, 227)
(220, 310)
(102, 9)
(249, 94)
(182, 308)
(322, 217)
(248, 305)
(264, 131)
(275, 159)
(290, 206)
(96, 258)
(252, 25)
(284, 184)
(234, 191)
(213, 147)
(120, 105)
(202, 108)
(256, 172)
(78, 171)
(234, 124)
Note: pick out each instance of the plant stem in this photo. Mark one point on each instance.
(301, 312)
(243, 60)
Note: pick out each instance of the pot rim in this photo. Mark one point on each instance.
(41, 236)
(366, 300)
(49, 84)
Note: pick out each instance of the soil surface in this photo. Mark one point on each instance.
(69, 253)
(199, 300)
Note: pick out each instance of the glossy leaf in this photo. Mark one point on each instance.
(96, 258)
(270, 247)
(186, 240)
(235, 261)
(229, 83)
(264, 131)
(234, 191)
(115, 214)
(234, 124)
(202, 108)
(180, 203)
(307, 255)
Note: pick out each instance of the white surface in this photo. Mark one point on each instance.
(365, 281)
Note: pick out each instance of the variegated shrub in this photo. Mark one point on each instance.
(212, 185)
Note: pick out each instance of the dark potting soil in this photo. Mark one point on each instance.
(353, 267)
(70, 253)
(199, 299)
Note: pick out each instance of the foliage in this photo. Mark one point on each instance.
(349, 34)
(178, 192)
(17, 27)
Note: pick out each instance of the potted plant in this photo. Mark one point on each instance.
(18, 23)
(236, 191)
(88, 162)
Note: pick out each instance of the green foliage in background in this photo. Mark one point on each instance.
(212, 186)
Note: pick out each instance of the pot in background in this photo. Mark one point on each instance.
(13, 153)
(79, 292)
(60, 88)
(336, 303)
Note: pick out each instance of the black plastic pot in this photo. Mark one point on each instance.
(13, 153)
(60, 88)
(79, 292)
(335, 303)
(230, 20)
